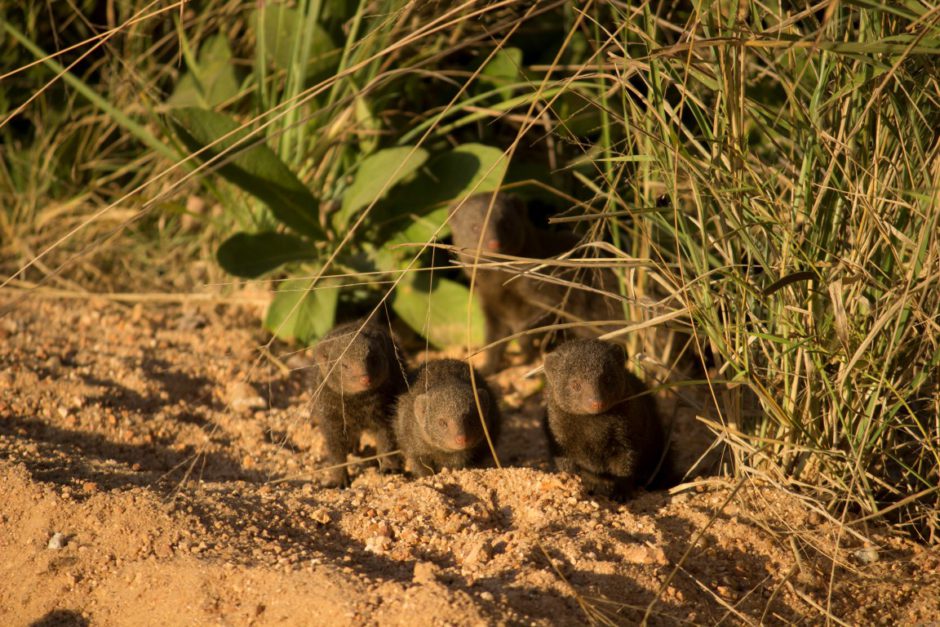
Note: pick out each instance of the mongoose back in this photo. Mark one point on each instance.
(600, 424)
(437, 424)
(362, 378)
(513, 304)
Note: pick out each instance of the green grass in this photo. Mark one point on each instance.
(774, 172)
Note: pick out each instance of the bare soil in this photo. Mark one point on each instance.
(182, 497)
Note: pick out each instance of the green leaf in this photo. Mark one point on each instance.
(437, 309)
(503, 70)
(186, 93)
(467, 169)
(250, 255)
(300, 313)
(283, 29)
(217, 73)
(255, 168)
(209, 82)
(423, 228)
(377, 174)
(470, 169)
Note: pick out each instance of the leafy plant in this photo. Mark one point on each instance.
(383, 206)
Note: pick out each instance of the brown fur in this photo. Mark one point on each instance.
(514, 304)
(437, 423)
(348, 403)
(600, 426)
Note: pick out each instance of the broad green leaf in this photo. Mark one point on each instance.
(470, 168)
(254, 168)
(503, 70)
(211, 80)
(423, 228)
(283, 26)
(250, 255)
(300, 313)
(376, 175)
(437, 309)
(217, 72)
(394, 254)
(187, 93)
(467, 169)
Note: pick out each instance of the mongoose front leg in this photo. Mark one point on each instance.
(384, 444)
(337, 450)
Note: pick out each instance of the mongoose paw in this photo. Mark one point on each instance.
(389, 466)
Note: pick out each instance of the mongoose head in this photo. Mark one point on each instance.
(586, 376)
(448, 418)
(504, 231)
(360, 362)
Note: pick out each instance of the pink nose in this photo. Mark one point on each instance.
(365, 379)
(493, 244)
(460, 440)
(596, 405)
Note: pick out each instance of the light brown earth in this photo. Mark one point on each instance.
(185, 499)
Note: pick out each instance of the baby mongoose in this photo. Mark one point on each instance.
(438, 425)
(363, 380)
(600, 424)
(513, 304)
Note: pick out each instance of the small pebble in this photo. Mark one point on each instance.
(321, 516)
(57, 541)
(243, 398)
(378, 544)
(867, 555)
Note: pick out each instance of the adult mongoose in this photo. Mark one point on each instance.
(512, 301)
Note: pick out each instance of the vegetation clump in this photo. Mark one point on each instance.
(762, 182)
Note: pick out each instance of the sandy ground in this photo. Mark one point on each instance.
(140, 484)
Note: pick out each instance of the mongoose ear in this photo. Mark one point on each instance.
(421, 406)
(549, 364)
(322, 357)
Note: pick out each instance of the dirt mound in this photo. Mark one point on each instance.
(142, 484)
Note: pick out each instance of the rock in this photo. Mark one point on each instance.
(642, 554)
(57, 541)
(243, 397)
(478, 552)
(321, 516)
(867, 555)
(378, 544)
